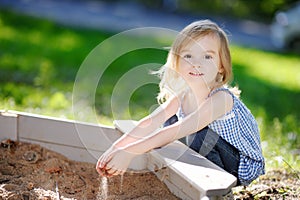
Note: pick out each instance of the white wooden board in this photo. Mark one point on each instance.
(8, 126)
(200, 172)
(125, 126)
(66, 132)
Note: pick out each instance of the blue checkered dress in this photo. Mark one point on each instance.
(239, 128)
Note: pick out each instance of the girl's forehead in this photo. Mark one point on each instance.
(205, 43)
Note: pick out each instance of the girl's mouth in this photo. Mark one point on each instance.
(195, 74)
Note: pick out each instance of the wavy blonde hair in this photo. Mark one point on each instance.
(171, 83)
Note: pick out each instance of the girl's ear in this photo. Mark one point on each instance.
(221, 69)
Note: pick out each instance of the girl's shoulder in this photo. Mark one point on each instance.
(234, 92)
(239, 108)
(171, 104)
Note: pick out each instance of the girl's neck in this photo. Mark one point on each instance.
(201, 93)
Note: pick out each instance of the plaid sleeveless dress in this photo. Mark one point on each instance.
(239, 128)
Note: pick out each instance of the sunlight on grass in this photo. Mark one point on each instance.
(66, 41)
(279, 70)
(35, 37)
(7, 33)
(7, 60)
(280, 139)
(45, 74)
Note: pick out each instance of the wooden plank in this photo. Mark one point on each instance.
(125, 126)
(8, 126)
(177, 191)
(65, 132)
(202, 174)
(177, 185)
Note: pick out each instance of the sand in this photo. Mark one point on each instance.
(29, 171)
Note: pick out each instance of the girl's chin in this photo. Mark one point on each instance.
(200, 81)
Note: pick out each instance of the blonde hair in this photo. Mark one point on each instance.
(171, 82)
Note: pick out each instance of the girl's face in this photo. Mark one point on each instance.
(200, 61)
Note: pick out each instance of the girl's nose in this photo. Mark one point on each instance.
(196, 63)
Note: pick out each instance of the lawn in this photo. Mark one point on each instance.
(39, 61)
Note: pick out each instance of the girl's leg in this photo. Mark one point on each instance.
(204, 144)
(170, 121)
(210, 145)
(230, 156)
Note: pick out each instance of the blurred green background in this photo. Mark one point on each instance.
(243, 9)
(39, 61)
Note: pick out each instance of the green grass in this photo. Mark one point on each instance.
(39, 61)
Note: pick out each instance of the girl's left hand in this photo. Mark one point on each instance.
(114, 161)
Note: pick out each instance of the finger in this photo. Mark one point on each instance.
(98, 165)
(99, 168)
(111, 171)
(115, 173)
(101, 171)
(118, 172)
(104, 160)
(99, 162)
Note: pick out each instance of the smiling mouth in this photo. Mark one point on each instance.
(196, 74)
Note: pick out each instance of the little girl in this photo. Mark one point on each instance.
(195, 103)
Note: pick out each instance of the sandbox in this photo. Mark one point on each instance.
(61, 155)
(29, 171)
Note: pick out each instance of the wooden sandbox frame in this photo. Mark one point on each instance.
(187, 174)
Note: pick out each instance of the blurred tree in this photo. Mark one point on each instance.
(255, 9)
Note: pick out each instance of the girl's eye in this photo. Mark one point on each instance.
(208, 57)
(188, 56)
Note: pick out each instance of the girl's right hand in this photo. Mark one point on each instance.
(103, 160)
(114, 161)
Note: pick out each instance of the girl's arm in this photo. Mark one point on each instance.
(116, 159)
(214, 107)
(149, 124)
